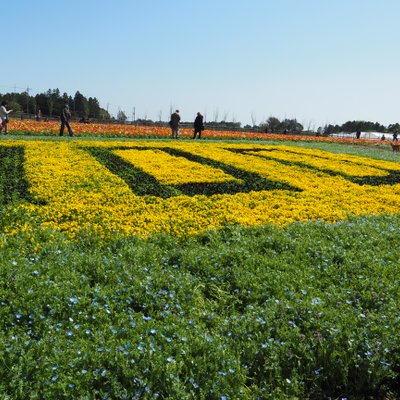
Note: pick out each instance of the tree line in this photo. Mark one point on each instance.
(274, 125)
(50, 103)
(363, 126)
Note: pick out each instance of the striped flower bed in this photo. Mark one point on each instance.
(186, 188)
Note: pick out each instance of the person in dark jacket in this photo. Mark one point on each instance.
(65, 117)
(198, 126)
(174, 124)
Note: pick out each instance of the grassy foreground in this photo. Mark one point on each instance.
(310, 311)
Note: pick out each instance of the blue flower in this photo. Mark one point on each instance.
(386, 364)
(195, 385)
(315, 301)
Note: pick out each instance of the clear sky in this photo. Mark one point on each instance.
(320, 61)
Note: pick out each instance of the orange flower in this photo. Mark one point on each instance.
(51, 128)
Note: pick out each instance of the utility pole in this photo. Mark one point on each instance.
(27, 99)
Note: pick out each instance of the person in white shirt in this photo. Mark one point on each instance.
(4, 116)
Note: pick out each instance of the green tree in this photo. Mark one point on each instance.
(273, 125)
(42, 103)
(27, 103)
(53, 100)
(14, 105)
(81, 105)
(104, 115)
(94, 108)
(291, 126)
(121, 117)
(394, 127)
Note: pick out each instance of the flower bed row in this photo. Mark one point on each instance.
(185, 188)
(51, 128)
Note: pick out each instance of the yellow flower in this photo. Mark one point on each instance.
(73, 189)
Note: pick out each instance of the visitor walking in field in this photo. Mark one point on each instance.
(174, 124)
(198, 125)
(4, 116)
(65, 117)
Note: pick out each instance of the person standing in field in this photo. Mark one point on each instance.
(4, 116)
(198, 126)
(65, 117)
(174, 124)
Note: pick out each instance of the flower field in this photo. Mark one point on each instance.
(143, 188)
(144, 269)
(114, 130)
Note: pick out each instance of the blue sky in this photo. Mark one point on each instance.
(320, 61)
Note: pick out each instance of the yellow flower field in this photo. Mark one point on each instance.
(92, 185)
(180, 170)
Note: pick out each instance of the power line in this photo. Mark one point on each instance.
(15, 87)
